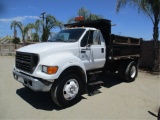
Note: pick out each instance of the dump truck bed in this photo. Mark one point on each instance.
(124, 47)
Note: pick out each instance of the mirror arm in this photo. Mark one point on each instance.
(88, 47)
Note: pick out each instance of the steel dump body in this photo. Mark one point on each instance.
(124, 47)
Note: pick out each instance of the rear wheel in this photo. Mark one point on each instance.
(128, 71)
(67, 90)
(131, 72)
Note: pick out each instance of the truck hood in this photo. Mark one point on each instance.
(45, 46)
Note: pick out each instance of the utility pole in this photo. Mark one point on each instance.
(43, 17)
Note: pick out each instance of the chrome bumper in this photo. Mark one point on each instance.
(36, 84)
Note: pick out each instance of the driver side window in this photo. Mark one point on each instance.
(87, 39)
(84, 39)
(91, 37)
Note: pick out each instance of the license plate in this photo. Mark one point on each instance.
(20, 79)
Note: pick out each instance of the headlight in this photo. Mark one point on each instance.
(49, 69)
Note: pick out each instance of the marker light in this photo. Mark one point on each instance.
(49, 69)
(80, 18)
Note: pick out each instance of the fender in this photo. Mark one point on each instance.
(63, 60)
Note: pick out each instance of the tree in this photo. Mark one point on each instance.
(46, 25)
(14, 27)
(86, 14)
(83, 12)
(38, 25)
(16, 40)
(34, 26)
(152, 9)
(35, 37)
(23, 29)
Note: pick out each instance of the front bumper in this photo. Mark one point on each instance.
(35, 84)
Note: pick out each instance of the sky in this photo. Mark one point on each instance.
(128, 21)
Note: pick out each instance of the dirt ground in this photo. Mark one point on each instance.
(138, 100)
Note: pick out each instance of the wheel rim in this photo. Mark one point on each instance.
(133, 72)
(70, 89)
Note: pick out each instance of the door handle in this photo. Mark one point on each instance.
(102, 50)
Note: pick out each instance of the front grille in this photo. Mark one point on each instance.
(26, 61)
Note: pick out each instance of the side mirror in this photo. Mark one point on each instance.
(88, 46)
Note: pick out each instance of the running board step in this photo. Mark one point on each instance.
(94, 72)
(95, 83)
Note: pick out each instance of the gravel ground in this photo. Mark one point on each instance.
(138, 100)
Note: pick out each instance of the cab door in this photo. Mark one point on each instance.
(92, 50)
(98, 51)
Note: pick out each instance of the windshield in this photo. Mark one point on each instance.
(69, 35)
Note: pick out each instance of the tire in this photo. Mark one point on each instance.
(128, 71)
(131, 72)
(67, 90)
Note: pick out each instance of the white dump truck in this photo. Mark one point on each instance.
(62, 64)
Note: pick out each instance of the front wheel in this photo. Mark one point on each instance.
(67, 90)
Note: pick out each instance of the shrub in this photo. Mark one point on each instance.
(16, 40)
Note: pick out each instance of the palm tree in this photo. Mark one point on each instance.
(23, 29)
(47, 25)
(35, 37)
(86, 14)
(152, 9)
(60, 25)
(38, 28)
(15, 34)
(34, 26)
